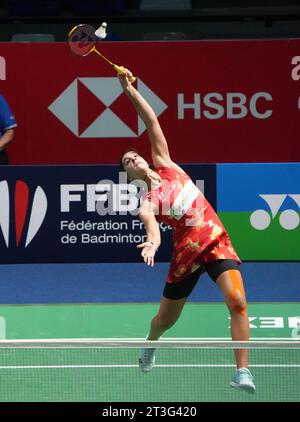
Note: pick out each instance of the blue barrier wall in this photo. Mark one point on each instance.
(48, 214)
(133, 282)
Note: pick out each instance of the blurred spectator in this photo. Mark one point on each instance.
(7, 125)
(31, 8)
(99, 7)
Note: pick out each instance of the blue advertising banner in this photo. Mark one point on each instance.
(251, 181)
(78, 214)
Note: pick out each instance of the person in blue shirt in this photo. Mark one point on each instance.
(7, 125)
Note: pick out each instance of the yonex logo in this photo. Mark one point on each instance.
(85, 108)
(288, 219)
(38, 209)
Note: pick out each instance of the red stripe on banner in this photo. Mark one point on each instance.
(21, 207)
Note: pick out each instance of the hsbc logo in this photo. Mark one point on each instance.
(24, 210)
(232, 105)
(93, 108)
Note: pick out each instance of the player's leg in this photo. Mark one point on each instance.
(171, 305)
(231, 284)
(168, 313)
(232, 287)
(229, 279)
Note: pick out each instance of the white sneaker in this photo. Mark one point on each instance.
(147, 359)
(243, 380)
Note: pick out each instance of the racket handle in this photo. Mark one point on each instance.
(120, 70)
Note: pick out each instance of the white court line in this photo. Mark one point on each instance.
(224, 338)
(183, 338)
(156, 366)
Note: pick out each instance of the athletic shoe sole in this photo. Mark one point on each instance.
(145, 370)
(248, 388)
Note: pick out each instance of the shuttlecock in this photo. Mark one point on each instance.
(101, 31)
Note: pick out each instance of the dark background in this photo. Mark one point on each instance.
(135, 20)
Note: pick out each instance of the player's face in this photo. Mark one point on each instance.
(134, 165)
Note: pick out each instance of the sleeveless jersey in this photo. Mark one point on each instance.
(198, 234)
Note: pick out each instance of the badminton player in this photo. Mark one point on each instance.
(200, 242)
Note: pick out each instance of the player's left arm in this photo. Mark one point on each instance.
(150, 247)
(6, 138)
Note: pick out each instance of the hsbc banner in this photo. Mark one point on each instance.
(77, 214)
(217, 101)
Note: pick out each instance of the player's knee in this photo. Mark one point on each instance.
(238, 303)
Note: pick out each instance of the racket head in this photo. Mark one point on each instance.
(82, 39)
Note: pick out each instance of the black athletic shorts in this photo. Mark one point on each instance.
(184, 288)
(3, 158)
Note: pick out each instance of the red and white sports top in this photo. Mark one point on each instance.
(198, 234)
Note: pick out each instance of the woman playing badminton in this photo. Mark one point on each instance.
(200, 242)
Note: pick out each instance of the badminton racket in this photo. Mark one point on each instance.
(82, 41)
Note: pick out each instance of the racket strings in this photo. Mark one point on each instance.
(82, 41)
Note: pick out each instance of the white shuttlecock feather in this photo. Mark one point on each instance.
(101, 31)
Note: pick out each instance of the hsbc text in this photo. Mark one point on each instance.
(233, 105)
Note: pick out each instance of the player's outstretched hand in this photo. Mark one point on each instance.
(148, 252)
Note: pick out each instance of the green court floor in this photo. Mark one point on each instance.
(131, 320)
(180, 375)
(112, 375)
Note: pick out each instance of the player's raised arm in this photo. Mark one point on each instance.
(159, 146)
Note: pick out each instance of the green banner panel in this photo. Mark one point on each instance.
(271, 244)
(198, 320)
